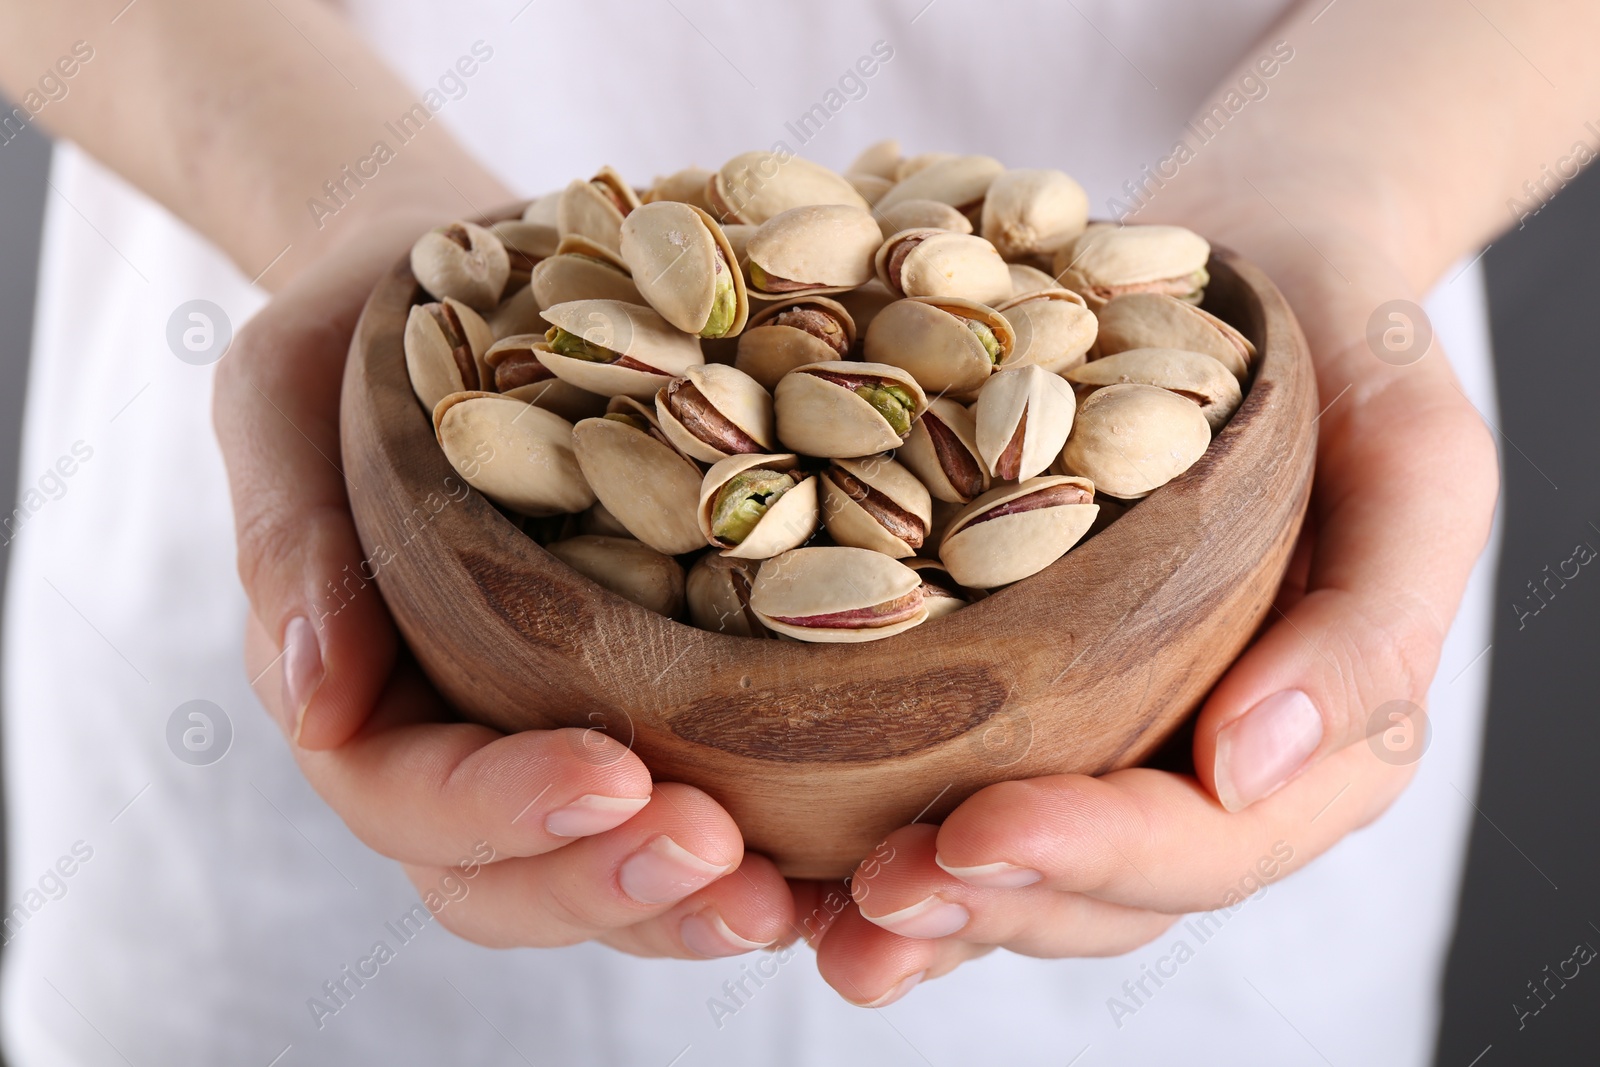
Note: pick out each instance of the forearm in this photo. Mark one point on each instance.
(1410, 124)
(234, 113)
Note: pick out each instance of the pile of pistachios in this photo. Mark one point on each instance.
(779, 401)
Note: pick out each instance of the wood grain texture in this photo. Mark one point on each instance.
(819, 750)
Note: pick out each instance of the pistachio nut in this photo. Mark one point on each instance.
(516, 371)
(713, 412)
(1192, 375)
(1131, 439)
(939, 591)
(1026, 280)
(865, 303)
(647, 485)
(1105, 263)
(837, 594)
(754, 186)
(517, 313)
(517, 455)
(526, 243)
(444, 346)
(875, 503)
(909, 165)
(582, 270)
(545, 211)
(616, 349)
(940, 263)
(738, 235)
(819, 248)
(629, 569)
(1054, 329)
(960, 181)
(879, 160)
(922, 215)
(1033, 212)
(1014, 531)
(462, 261)
(1023, 417)
(1156, 320)
(595, 208)
(943, 451)
(812, 329)
(718, 592)
(870, 186)
(600, 522)
(844, 409)
(949, 345)
(755, 506)
(685, 268)
(687, 186)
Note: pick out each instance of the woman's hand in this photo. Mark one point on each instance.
(1069, 865)
(583, 846)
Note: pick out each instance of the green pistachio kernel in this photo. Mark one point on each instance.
(986, 337)
(890, 401)
(744, 500)
(724, 304)
(575, 347)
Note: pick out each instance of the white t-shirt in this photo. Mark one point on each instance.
(160, 912)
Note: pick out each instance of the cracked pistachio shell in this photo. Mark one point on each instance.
(1053, 327)
(687, 186)
(754, 186)
(646, 484)
(823, 248)
(582, 270)
(1192, 375)
(517, 313)
(647, 350)
(960, 181)
(812, 329)
(829, 585)
(516, 371)
(870, 186)
(943, 452)
(595, 208)
(517, 455)
(1131, 439)
(880, 160)
(718, 592)
(526, 243)
(941, 263)
(444, 346)
(1107, 262)
(677, 255)
(1155, 320)
(1026, 280)
(940, 592)
(789, 521)
(929, 337)
(713, 412)
(1023, 417)
(818, 417)
(462, 261)
(1033, 212)
(632, 570)
(1039, 520)
(922, 215)
(876, 503)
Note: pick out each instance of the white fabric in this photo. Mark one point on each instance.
(217, 900)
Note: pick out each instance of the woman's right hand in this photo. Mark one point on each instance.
(584, 846)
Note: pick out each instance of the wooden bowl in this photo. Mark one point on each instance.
(819, 750)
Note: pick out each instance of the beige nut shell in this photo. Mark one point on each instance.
(1054, 329)
(1193, 375)
(752, 187)
(946, 264)
(475, 275)
(519, 456)
(736, 396)
(922, 215)
(1010, 548)
(787, 524)
(1031, 212)
(586, 211)
(648, 487)
(959, 181)
(582, 270)
(671, 249)
(919, 455)
(928, 338)
(819, 418)
(828, 246)
(430, 360)
(850, 524)
(828, 580)
(634, 331)
(768, 350)
(715, 603)
(1131, 439)
(1045, 400)
(1156, 320)
(629, 568)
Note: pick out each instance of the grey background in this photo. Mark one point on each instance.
(1533, 870)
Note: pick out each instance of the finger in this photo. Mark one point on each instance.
(680, 843)
(912, 896)
(748, 909)
(1149, 839)
(1406, 481)
(872, 968)
(426, 791)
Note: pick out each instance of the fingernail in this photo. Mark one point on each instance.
(302, 669)
(705, 934)
(664, 871)
(926, 919)
(906, 985)
(999, 875)
(1262, 749)
(592, 814)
